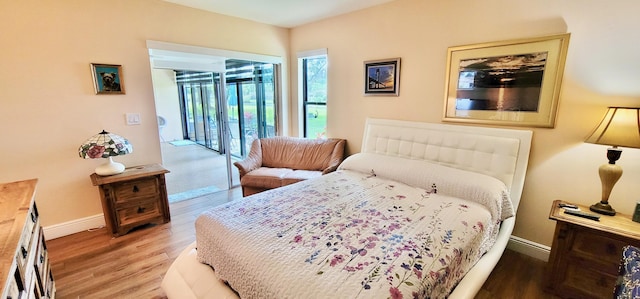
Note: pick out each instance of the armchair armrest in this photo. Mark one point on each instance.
(253, 160)
(336, 157)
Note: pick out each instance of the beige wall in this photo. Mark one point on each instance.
(48, 107)
(602, 56)
(47, 102)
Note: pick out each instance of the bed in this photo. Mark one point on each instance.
(424, 210)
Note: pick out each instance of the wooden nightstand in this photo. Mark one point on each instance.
(135, 197)
(585, 254)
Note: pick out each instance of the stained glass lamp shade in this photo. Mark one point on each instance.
(106, 145)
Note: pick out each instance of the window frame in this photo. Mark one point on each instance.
(303, 58)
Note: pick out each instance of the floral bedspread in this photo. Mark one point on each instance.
(347, 234)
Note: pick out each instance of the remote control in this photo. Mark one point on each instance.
(566, 205)
(583, 214)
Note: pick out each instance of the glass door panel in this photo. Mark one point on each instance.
(249, 101)
(202, 124)
(269, 100)
(251, 97)
(198, 114)
(234, 119)
(213, 128)
(250, 114)
(187, 102)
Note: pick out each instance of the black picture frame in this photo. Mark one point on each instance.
(382, 77)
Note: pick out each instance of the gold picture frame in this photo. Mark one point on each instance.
(513, 83)
(107, 78)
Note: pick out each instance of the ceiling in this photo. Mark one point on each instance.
(282, 13)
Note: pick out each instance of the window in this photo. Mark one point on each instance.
(313, 79)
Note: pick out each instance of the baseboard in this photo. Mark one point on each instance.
(529, 248)
(72, 227)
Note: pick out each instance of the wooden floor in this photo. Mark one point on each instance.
(92, 264)
(194, 167)
(516, 276)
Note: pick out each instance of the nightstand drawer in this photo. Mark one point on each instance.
(590, 280)
(140, 212)
(134, 190)
(598, 247)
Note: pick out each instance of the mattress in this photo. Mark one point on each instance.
(398, 229)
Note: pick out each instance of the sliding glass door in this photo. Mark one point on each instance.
(226, 112)
(198, 105)
(250, 94)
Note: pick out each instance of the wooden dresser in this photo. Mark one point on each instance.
(24, 261)
(585, 254)
(135, 197)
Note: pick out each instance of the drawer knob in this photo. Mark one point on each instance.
(33, 217)
(141, 210)
(23, 251)
(562, 234)
(135, 188)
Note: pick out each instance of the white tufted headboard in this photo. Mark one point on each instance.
(501, 153)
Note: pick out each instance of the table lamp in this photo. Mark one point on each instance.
(619, 127)
(106, 145)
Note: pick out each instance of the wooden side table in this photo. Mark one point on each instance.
(135, 197)
(585, 254)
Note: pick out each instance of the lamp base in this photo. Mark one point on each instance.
(110, 168)
(603, 208)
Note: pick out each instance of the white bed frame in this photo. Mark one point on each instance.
(501, 153)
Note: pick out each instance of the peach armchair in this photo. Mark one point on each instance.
(278, 161)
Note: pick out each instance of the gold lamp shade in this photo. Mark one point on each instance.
(619, 127)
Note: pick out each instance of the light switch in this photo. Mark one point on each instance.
(132, 119)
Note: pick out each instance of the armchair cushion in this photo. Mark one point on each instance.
(299, 175)
(266, 177)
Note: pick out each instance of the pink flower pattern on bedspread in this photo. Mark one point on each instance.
(346, 235)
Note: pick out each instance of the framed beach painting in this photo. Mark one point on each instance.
(107, 78)
(515, 83)
(382, 77)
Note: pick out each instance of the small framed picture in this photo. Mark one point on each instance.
(107, 78)
(382, 77)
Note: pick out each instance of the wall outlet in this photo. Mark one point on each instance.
(132, 119)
